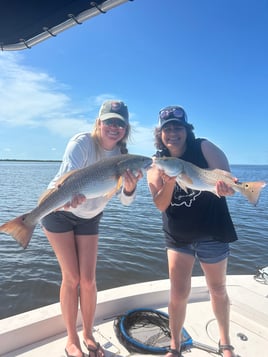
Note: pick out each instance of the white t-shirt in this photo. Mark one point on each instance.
(81, 152)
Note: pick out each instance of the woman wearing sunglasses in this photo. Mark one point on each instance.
(197, 225)
(73, 231)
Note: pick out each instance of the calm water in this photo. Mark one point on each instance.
(131, 246)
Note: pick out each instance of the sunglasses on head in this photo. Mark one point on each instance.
(173, 112)
(115, 122)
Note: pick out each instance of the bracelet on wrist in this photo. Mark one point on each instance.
(126, 193)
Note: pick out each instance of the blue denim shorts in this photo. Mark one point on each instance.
(208, 251)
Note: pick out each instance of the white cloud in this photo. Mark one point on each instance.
(30, 98)
(26, 96)
(66, 127)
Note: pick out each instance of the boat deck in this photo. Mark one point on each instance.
(41, 332)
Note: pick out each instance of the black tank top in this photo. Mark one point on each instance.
(197, 214)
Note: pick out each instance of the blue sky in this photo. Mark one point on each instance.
(210, 56)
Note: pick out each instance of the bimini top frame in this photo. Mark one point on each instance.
(25, 23)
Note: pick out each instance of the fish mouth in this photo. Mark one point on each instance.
(148, 164)
(156, 160)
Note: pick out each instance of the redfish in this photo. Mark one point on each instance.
(193, 177)
(103, 178)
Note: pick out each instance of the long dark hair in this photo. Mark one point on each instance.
(158, 140)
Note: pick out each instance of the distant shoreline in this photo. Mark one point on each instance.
(26, 160)
(19, 160)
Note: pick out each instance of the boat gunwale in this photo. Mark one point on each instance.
(46, 322)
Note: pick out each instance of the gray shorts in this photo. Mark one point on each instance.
(63, 221)
(206, 250)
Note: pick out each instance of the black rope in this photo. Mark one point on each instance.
(93, 3)
(71, 16)
(47, 30)
(25, 43)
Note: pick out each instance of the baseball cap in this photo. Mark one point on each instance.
(114, 109)
(173, 113)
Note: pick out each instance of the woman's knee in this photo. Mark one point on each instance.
(179, 292)
(88, 282)
(71, 280)
(218, 291)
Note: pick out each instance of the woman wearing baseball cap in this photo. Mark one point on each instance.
(196, 224)
(73, 230)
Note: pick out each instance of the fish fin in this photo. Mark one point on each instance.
(58, 183)
(182, 185)
(187, 179)
(19, 230)
(184, 180)
(220, 172)
(64, 177)
(252, 190)
(119, 183)
(110, 194)
(45, 195)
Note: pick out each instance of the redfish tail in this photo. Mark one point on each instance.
(252, 190)
(19, 230)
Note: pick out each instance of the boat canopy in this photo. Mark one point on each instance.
(24, 23)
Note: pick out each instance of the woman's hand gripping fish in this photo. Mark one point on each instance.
(193, 177)
(103, 178)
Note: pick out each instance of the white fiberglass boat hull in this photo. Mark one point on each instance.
(41, 332)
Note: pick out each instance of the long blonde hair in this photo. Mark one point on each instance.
(97, 137)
